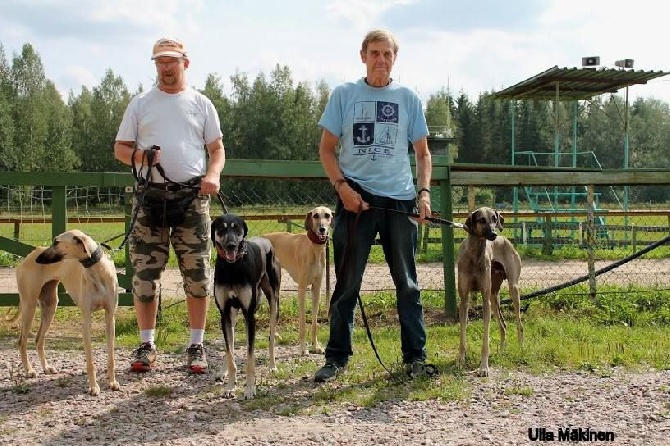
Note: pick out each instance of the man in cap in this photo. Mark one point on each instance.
(184, 124)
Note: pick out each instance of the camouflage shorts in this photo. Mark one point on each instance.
(150, 248)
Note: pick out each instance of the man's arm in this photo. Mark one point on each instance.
(211, 182)
(125, 150)
(327, 153)
(424, 169)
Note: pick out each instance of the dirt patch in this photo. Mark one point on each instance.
(498, 410)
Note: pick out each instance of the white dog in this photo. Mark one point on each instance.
(88, 275)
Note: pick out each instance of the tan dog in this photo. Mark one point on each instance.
(88, 275)
(304, 257)
(485, 259)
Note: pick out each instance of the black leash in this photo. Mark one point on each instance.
(585, 277)
(149, 156)
(437, 220)
(429, 369)
(342, 270)
(219, 195)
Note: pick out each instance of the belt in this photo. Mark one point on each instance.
(170, 187)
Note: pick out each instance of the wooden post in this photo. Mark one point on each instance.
(448, 256)
(471, 198)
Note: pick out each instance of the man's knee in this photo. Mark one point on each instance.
(144, 288)
(197, 281)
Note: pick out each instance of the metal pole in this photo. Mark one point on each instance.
(626, 129)
(448, 256)
(556, 140)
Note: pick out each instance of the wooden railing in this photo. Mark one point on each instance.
(444, 176)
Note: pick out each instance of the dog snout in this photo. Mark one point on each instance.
(491, 235)
(49, 256)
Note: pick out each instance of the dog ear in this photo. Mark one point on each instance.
(468, 223)
(499, 220)
(246, 228)
(308, 221)
(78, 240)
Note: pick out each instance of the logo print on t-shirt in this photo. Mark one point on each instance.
(375, 128)
(363, 133)
(387, 112)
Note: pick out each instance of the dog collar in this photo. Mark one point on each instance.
(317, 239)
(95, 258)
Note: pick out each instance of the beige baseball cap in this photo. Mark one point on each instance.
(169, 47)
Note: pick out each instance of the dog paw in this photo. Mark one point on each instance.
(48, 370)
(220, 375)
(316, 349)
(31, 373)
(482, 373)
(94, 390)
(273, 369)
(229, 393)
(114, 385)
(249, 392)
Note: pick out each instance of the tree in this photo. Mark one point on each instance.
(59, 156)
(27, 82)
(6, 121)
(101, 111)
(467, 134)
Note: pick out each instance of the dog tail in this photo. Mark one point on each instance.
(12, 318)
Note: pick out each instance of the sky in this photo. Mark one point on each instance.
(469, 47)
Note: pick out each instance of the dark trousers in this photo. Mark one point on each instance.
(398, 236)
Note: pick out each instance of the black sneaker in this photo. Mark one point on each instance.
(143, 358)
(419, 368)
(196, 359)
(328, 372)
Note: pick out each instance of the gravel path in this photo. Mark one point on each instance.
(497, 411)
(534, 275)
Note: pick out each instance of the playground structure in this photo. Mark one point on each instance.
(570, 84)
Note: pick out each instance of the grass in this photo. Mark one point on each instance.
(563, 332)
(158, 391)
(40, 234)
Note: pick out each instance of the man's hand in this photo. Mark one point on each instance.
(210, 185)
(424, 209)
(352, 200)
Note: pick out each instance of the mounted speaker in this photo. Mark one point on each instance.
(591, 61)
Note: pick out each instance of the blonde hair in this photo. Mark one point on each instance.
(379, 35)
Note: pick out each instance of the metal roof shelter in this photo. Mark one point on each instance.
(574, 84)
(569, 84)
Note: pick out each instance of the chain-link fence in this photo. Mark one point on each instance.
(558, 240)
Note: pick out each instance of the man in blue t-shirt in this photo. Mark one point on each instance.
(372, 120)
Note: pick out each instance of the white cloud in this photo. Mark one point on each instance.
(492, 49)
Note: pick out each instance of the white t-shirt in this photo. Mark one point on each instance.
(181, 124)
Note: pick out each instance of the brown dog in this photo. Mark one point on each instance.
(89, 276)
(485, 259)
(304, 257)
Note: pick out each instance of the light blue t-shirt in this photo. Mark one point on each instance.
(375, 126)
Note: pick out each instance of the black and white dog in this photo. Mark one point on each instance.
(244, 267)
